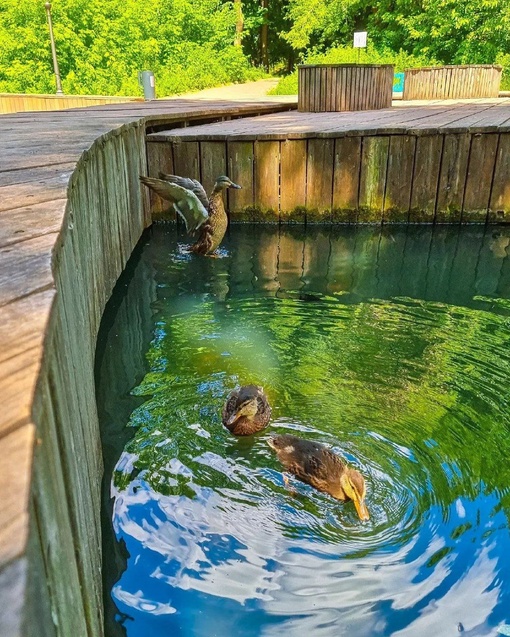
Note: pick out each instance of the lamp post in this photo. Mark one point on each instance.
(53, 50)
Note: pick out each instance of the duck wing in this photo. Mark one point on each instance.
(186, 202)
(190, 184)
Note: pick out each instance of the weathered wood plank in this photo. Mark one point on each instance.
(267, 180)
(159, 159)
(186, 157)
(16, 452)
(319, 178)
(397, 197)
(452, 178)
(425, 178)
(479, 177)
(499, 208)
(213, 163)
(373, 178)
(346, 179)
(12, 593)
(293, 179)
(240, 168)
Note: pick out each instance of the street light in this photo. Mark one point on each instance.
(53, 50)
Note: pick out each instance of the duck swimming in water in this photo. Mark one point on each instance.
(246, 411)
(198, 211)
(316, 465)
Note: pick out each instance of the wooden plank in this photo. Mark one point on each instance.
(267, 179)
(293, 179)
(319, 179)
(373, 178)
(425, 178)
(397, 198)
(499, 209)
(159, 159)
(186, 158)
(213, 163)
(479, 177)
(452, 178)
(346, 179)
(240, 167)
(28, 222)
(16, 450)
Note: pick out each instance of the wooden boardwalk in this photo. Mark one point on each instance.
(49, 159)
(39, 160)
(444, 162)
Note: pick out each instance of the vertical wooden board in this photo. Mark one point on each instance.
(319, 177)
(452, 178)
(267, 179)
(159, 159)
(479, 177)
(186, 159)
(425, 178)
(346, 179)
(213, 163)
(374, 160)
(292, 179)
(240, 168)
(499, 209)
(397, 198)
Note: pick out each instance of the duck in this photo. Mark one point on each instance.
(246, 411)
(197, 210)
(318, 466)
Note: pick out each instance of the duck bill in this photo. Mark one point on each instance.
(361, 510)
(236, 186)
(233, 418)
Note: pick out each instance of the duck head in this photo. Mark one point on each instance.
(354, 488)
(223, 182)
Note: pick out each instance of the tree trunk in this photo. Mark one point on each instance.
(264, 31)
(239, 22)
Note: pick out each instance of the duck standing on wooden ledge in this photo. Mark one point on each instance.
(246, 411)
(316, 465)
(196, 209)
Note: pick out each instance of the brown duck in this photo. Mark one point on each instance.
(246, 411)
(199, 212)
(316, 465)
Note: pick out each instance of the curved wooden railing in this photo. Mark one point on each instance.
(71, 212)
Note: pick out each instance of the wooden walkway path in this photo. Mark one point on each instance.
(38, 154)
(446, 116)
(443, 162)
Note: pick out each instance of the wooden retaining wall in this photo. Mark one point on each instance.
(452, 82)
(344, 87)
(441, 178)
(20, 102)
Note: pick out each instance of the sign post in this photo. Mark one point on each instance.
(360, 41)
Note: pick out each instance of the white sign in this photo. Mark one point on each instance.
(360, 39)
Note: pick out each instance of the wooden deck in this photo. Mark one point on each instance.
(40, 153)
(443, 162)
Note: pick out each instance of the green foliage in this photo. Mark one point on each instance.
(102, 46)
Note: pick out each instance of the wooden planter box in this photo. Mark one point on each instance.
(344, 87)
(452, 82)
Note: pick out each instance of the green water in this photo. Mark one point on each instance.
(390, 346)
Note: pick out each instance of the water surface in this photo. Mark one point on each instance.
(390, 346)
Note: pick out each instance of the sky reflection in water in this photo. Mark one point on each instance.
(392, 347)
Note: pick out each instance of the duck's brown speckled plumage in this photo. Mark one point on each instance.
(213, 230)
(246, 426)
(315, 464)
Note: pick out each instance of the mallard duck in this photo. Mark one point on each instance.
(316, 465)
(196, 209)
(246, 411)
